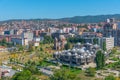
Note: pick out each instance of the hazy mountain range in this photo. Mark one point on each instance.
(79, 19)
(90, 19)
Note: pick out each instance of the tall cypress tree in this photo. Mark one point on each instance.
(104, 46)
(100, 59)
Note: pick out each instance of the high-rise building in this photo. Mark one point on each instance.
(118, 34)
(110, 29)
(112, 20)
(27, 35)
(109, 41)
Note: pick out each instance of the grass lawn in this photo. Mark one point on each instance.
(82, 76)
(80, 73)
(42, 77)
(46, 63)
(72, 70)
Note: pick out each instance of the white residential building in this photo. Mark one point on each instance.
(27, 35)
(109, 42)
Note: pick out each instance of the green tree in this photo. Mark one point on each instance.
(4, 41)
(90, 72)
(20, 48)
(30, 48)
(104, 46)
(31, 66)
(110, 77)
(67, 46)
(41, 49)
(75, 40)
(95, 41)
(23, 75)
(100, 25)
(59, 75)
(48, 40)
(114, 50)
(100, 60)
(64, 75)
(5, 78)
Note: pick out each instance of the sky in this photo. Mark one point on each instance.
(31, 9)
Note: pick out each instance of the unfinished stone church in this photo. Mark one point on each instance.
(80, 54)
(60, 42)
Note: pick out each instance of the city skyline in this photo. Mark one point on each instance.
(31, 9)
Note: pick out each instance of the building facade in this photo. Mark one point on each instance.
(81, 54)
(60, 42)
(109, 41)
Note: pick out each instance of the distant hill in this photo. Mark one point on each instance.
(90, 19)
(76, 19)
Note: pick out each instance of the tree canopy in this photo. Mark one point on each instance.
(95, 41)
(3, 42)
(67, 46)
(100, 60)
(110, 77)
(24, 75)
(104, 46)
(63, 75)
(90, 72)
(48, 40)
(75, 40)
